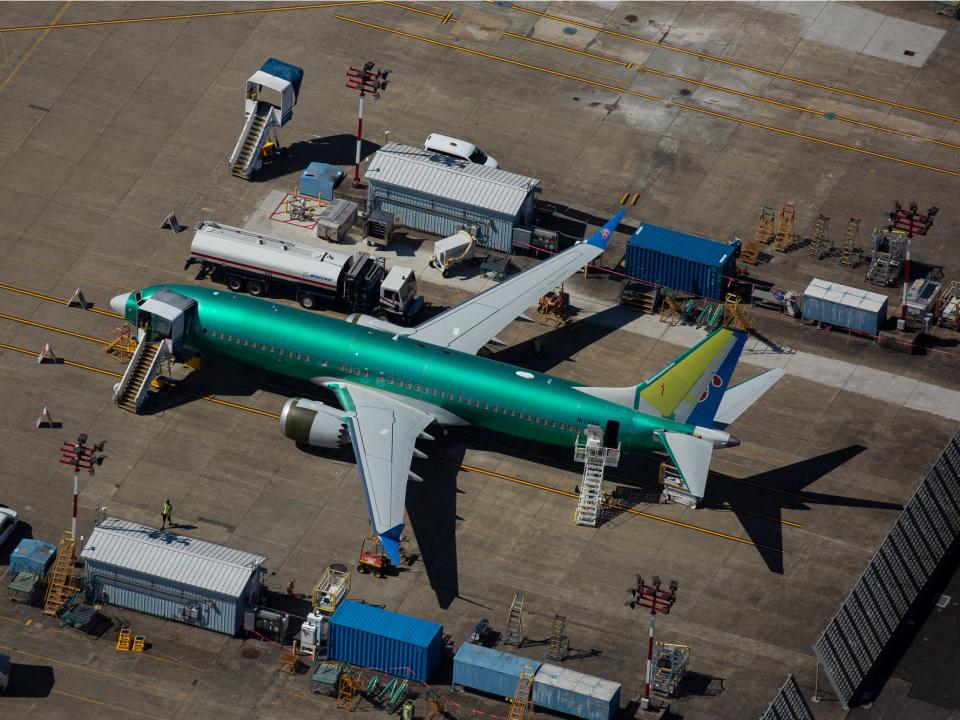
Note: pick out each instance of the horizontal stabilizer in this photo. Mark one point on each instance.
(691, 456)
(740, 397)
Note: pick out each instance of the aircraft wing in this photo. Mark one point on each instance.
(383, 431)
(472, 324)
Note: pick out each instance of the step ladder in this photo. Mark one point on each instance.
(820, 245)
(675, 489)
(255, 135)
(887, 257)
(595, 458)
(131, 391)
(558, 641)
(124, 640)
(851, 252)
(139, 643)
(62, 584)
(764, 232)
(513, 635)
(750, 252)
(521, 703)
(785, 233)
(733, 316)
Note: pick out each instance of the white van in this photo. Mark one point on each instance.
(459, 149)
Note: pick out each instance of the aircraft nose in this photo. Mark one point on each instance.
(119, 303)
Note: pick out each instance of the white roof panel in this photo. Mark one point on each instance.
(450, 178)
(845, 295)
(169, 556)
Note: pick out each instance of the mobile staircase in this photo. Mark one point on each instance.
(595, 458)
(889, 250)
(143, 367)
(62, 583)
(520, 704)
(272, 92)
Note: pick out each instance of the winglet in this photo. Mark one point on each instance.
(391, 543)
(600, 237)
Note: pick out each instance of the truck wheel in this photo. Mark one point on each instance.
(308, 302)
(255, 287)
(445, 273)
(234, 283)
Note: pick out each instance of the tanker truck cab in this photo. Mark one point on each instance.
(398, 295)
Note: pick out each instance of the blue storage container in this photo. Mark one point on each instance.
(846, 307)
(398, 644)
(490, 671)
(319, 179)
(32, 556)
(574, 693)
(682, 262)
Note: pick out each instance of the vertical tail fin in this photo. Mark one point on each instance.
(690, 388)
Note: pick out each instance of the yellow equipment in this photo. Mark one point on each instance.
(333, 586)
(123, 641)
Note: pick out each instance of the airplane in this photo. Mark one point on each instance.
(393, 382)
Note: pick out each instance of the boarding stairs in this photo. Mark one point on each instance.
(558, 641)
(786, 228)
(820, 245)
(521, 703)
(144, 366)
(61, 584)
(513, 635)
(254, 135)
(851, 251)
(595, 458)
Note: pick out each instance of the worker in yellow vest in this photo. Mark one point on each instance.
(165, 514)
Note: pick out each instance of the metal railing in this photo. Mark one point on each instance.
(788, 704)
(912, 552)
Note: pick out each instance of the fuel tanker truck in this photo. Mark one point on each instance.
(246, 261)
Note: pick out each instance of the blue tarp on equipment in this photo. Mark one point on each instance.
(32, 556)
(280, 69)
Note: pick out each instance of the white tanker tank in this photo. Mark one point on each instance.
(246, 260)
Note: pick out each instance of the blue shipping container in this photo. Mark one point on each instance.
(32, 556)
(490, 671)
(846, 307)
(390, 642)
(682, 262)
(319, 179)
(574, 693)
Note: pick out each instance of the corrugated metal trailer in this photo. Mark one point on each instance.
(575, 693)
(439, 194)
(686, 263)
(170, 576)
(490, 671)
(845, 307)
(398, 644)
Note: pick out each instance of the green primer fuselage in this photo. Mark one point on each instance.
(481, 391)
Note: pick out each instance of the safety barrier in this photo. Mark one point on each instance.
(897, 575)
(788, 704)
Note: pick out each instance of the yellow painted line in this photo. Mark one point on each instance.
(69, 363)
(120, 709)
(29, 52)
(738, 93)
(653, 98)
(632, 511)
(50, 298)
(444, 18)
(186, 16)
(732, 63)
(247, 408)
(31, 323)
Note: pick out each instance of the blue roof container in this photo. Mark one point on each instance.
(387, 641)
(490, 671)
(682, 262)
(574, 693)
(32, 556)
(319, 179)
(290, 73)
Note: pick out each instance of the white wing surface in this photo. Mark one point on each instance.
(472, 324)
(383, 431)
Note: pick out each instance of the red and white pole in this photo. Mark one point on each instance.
(906, 281)
(356, 167)
(645, 701)
(76, 494)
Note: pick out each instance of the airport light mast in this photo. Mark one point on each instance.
(80, 456)
(366, 82)
(657, 600)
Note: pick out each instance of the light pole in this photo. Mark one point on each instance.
(657, 600)
(366, 82)
(80, 457)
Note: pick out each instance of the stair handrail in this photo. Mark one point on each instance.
(164, 351)
(251, 118)
(121, 386)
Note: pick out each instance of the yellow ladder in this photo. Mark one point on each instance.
(514, 632)
(764, 232)
(750, 252)
(520, 703)
(733, 315)
(820, 245)
(558, 641)
(351, 686)
(123, 641)
(138, 643)
(850, 252)
(61, 584)
(786, 228)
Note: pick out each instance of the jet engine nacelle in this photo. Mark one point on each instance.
(377, 324)
(313, 423)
